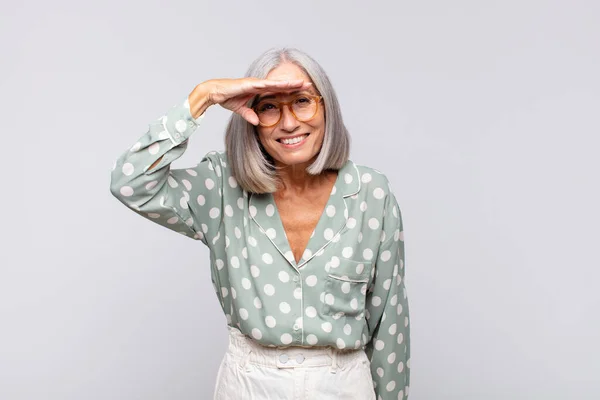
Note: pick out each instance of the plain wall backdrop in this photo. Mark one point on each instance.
(483, 114)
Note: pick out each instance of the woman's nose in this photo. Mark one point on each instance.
(288, 121)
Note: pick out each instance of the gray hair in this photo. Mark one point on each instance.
(251, 165)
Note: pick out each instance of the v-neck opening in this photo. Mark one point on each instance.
(314, 229)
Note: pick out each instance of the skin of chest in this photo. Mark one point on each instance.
(300, 214)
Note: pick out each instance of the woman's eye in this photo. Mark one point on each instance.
(265, 107)
(303, 100)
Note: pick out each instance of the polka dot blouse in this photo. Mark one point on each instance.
(347, 291)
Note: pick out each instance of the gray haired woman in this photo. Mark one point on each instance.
(306, 247)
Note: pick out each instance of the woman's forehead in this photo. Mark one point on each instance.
(283, 95)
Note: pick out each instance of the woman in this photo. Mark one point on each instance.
(306, 247)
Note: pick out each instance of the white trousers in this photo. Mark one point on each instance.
(250, 371)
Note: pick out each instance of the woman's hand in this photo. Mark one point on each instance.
(233, 94)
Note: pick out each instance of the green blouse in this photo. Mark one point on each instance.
(347, 291)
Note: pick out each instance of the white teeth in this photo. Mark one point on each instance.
(294, 140)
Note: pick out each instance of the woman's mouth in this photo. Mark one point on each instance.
(294, 142)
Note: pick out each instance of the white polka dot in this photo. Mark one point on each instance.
(153, 215)
(172, 220)
(379, 345)
(286, 338)
(311, 312)
(235, 262)
(360, 268)
(267, 258)
(386, 284)
(306, 254)
(270, 321)
(311, 280)
(368, 254)
(378, 193)
(373, 223)
(366, 178)
(209, 183)
(347, 252)
(284, 307)
(380, 372)
(181, 126)
(127, 169)
(385, 255)
(284, 276)
(151, 185)
(400, 367)
(391, 358)
(400, 338)
(346, 287)
(354, 303)
(351, 223)
(348, 178)
(154, 148)
(238, 234)
(135, 147)
(228, 210)
(252, 241)
(191, 172)
(224, 291)
(256, 334)
(126, 191)
(246, 283)
(330, 210)
(243, 314)
(172, 182)
(376, 301)
(298, 293)
(347, 329)
(270, 210)
(312, 339)
(214, 212)
(253, 211)
(232, 182)
(220, 264)
(363, 206)
(390, 386)
(271, 233)
(340, 343)
(255, 271)
(201, 200)
(269, 289)
(329, 299)
(334, 262)
(326, 326)
(328, 234)
(257, 303)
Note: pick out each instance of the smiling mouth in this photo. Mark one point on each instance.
(296, 140)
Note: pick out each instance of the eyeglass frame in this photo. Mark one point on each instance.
(289, 106)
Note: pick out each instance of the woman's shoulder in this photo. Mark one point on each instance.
(373, 179)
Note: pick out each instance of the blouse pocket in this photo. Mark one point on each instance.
(346, 288)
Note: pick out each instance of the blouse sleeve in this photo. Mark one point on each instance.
(387, 312)
(187, 201)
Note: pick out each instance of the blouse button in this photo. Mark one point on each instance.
(296, 327)
(283, 358)
(296, 279)
(299, 358)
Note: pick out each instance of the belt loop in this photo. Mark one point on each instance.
(245, 364)
(333, 367)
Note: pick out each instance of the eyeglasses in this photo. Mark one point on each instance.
(303, 107)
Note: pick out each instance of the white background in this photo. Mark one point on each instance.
(483, 114)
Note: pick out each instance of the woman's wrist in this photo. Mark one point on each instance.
(199, 99)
